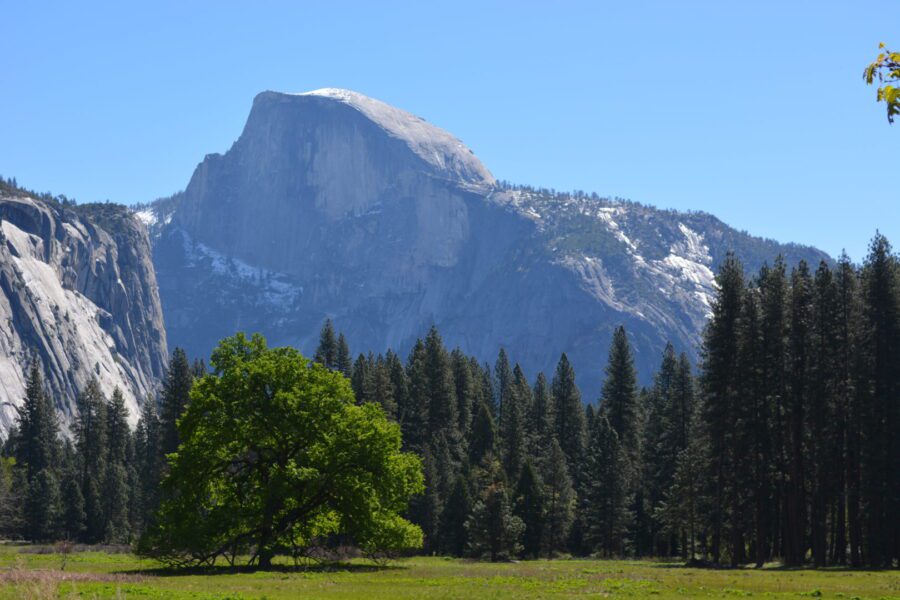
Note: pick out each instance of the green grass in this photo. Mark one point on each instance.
(100, 575)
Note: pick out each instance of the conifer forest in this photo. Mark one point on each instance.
(782, 444)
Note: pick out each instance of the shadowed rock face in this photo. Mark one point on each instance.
(331, 204)
(78, 293)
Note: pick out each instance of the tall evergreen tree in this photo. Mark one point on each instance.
(529, 506)
(658, 452)
(823, 414)
(342, 360)
(454, 538)
(115, 485)
(560, 500)
(619, 400)
(399, 386)
(382, 387)
(174, 399)
(148, 461)
(483, 436)
(361, 382)
(568, 415)
(797, 414)
(414, 420)
(879, 399)
(502, 382)
(326, 352)
(687, 500)
(37, 439)
(848, 530)
(605, 503)
(540, 421)
(774, 323)
(91, 445)
(73, 515)
(37, 452)
(494, 531)
(513, 435)
(467, 389)
(721, 401)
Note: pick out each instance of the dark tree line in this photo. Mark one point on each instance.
(101, 483)
(519, 468)
(785, 446)
(797, 431)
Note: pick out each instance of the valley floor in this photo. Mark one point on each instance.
(121, 576)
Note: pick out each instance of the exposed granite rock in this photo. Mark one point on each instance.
(331, 204)
(78, 293)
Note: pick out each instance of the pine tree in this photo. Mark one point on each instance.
(847, 520)
(342, 360)
(382, 387)
(529, 506)
(399, 386)
(37, 443)
(773, 304)
(502, 382)
(443, 417)
(362, 379)
(414, 420)
(489, 394)
(879, 398)
(326, 352)
(467, 391)
(493, 530)
(513, 435)
(91, 445)
(115, 485)
(72, 500)
(720, 390)
(541, 420)
(659, 452)
(568, 414)
(148, 461)
(823, 414)
(605, 503)
(751, 442)
(454, 538)
(687, 499)
(174, 399)
(482, 441)
(43, 506)
(619, 401)
(425, 510)
(800, 377)
(559, 497)
(37, 452)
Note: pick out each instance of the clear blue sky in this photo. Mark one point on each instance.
(753, 111)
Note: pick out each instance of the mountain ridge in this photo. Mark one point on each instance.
(318, 211)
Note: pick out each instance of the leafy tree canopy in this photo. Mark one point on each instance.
(885, 70)
(274, 455)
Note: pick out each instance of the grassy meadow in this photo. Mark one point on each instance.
(28, 575)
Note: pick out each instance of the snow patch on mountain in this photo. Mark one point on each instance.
(274, 288)
(147, 216)
(689, 260)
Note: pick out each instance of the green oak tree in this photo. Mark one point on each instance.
(275, 453)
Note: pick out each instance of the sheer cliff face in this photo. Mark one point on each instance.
(78, 293)
(332, 204)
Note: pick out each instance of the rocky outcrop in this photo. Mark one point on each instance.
(78, 293)
(332, 204)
